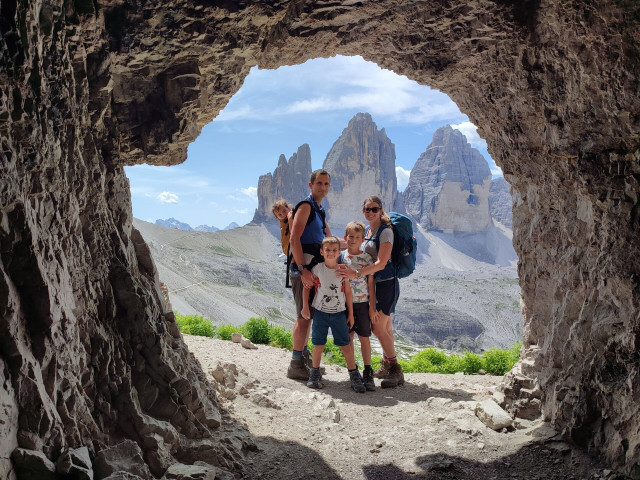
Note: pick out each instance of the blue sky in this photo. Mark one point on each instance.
(274, 113)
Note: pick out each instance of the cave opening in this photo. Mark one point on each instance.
(474, 299)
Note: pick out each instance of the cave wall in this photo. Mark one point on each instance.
(88, 353)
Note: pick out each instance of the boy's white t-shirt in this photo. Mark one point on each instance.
(329, 297)
(359, 286)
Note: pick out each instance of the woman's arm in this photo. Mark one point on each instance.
(384, 254)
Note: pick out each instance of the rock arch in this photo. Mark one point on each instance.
(88, 354)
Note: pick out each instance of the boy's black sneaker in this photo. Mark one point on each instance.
(356, 382)
(367, 379)
(315, 379)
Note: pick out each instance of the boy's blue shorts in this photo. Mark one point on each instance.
(336, 321)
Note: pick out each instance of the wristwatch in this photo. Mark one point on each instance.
(358, 274)
(301, 268)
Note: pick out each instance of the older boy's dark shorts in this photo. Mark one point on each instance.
(361, 320)
(297, 289)
(387, 293)
(339, 328)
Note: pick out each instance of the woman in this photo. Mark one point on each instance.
(378, 243)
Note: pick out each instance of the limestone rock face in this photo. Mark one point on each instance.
(361, 162)
(449, 184)
(90, 356)
(501, 202)
(290, 181)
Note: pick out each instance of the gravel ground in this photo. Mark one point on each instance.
(425, 429)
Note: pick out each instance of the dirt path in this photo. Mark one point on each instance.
(426, 429)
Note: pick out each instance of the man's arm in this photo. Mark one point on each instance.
(297, 229)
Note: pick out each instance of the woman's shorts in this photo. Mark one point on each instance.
(361, 320)
(387, 293)
(339, 328)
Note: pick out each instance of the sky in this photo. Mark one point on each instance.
(276, 111)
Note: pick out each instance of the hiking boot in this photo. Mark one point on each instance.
(306, 356)
(315, 379)
(298, 370)
(356, 382)
(367, 379)
(383, 371)
(395, 377)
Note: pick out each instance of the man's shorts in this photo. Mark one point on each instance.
(387, 293)
(339, 329)
(361, 320)
(296, 289)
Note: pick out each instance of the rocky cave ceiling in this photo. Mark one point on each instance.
(88, 354)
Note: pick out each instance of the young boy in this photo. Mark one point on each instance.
(282, 211)
(364, 299)
(333, 306)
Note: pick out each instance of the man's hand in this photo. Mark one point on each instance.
(350, 320)
(307, 278)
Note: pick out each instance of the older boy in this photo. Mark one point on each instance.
(364, 299)
(333, 306)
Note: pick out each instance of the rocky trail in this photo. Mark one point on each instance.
(425, 429)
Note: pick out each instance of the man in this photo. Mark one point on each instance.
(307, 231)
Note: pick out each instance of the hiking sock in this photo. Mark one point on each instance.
(305, 348)
(368, 367)
(392, 360)
(385, 358)
(354, 370)
(296, 354)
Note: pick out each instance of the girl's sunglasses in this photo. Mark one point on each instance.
(372, 209)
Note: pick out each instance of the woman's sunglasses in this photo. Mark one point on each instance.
(371, 209)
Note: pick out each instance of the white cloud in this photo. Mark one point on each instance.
(337, 84)
(251, 192)
(470, 131)
(403, 178)
(168, 197)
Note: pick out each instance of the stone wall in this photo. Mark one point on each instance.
(88, 353)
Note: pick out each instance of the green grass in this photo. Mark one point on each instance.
(430, 360)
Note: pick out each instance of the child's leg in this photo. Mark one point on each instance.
(316, 358)
(348, 356)
(365, 348)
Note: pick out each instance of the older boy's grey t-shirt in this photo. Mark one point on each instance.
(369, 245)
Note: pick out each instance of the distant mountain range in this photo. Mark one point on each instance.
(450, 188)
(173, 223)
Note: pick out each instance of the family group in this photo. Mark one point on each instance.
(346, 285)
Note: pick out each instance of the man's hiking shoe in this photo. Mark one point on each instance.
(395, 377)
(356, 382)
(298, 370)
(367, 379)
(383, 371)
(315, 379)
(306, 357)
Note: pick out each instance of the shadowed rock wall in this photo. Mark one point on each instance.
(88, 354)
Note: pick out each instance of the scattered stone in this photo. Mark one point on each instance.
(123, 457)
(236, 337)
(199, 471)
(246, 343)
(492, 415)
(33, 465)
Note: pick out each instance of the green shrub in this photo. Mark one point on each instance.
(280, 337)
(225, 331)
(332, 354)
(497, 362)
(471, 363)
(453, 364)
(257, 330)
(195, 325)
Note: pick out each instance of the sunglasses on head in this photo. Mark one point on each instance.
(372, 209)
